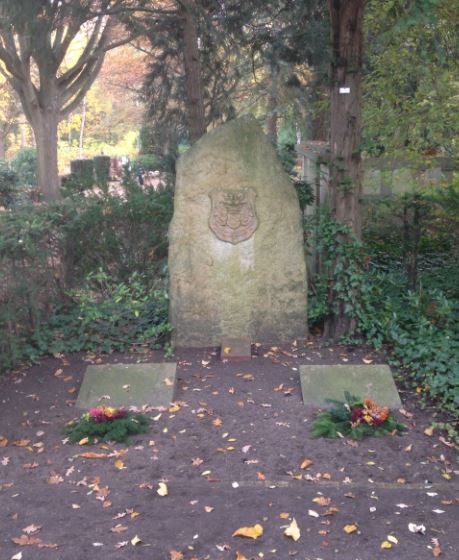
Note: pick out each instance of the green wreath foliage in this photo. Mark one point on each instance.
(338, 422)
(118, 430)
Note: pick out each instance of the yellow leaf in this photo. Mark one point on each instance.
(119, 464)
(83, 441)
(249, 532)
(284, 515)
(429, 431)
(351, 528)
(240, 556)
(168, 382)
(21, 442)
(386, 544)
(322, 501)
(174, 408)
(306, 463)
(293, 531)
(136, 540)
(227, 350)
(162, 489)
(135, 514)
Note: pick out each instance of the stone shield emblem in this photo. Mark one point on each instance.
(232, 216)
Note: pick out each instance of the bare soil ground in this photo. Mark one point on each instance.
(229, 452)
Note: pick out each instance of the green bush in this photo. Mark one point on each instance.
(8, 185)
(419, 328)
(26, 166)
(149, 162)
(49, 255)
(105, 316)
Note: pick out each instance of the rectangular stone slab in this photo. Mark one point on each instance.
(236, 350)
(127, 385)
(319, 383)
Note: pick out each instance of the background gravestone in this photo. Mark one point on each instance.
(236, 255)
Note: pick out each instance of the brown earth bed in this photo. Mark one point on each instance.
(230, 452)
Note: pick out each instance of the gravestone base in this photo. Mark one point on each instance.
(320, 383)
(236, 350)
(117, 385)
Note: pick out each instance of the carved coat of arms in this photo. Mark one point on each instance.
(232, 215)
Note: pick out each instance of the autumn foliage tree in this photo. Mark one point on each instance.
(36, 39)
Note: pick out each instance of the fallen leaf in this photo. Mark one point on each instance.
(217, 422)
(54, 478)
(29, 466)
(176, 555)
(119, 464)
(21, 442)
(119, 528)
(322, 501)
(413, 528)
(162, 489)
(17, 556)
(429, 431)
(136, 540)
(386, 544)
(392, 539)
(25, 540)
(31, 529)
(168, 382)
(92, 455)
(351, 528)
(261, 476)
(306, 463)
(208, 509)
(240, 556)
(3, 441)
(284, 515)
(196, 461)
(313, 513)
(293, 530)
(249, 532)
(121, 544)
(83, 441)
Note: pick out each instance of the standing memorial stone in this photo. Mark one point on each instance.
(236, 257)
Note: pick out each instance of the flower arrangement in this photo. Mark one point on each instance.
(105, 423)
(355, 418)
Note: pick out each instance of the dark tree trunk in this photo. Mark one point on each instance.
(271, 120)
(45, 125)
(345, 131)
(195, 100)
